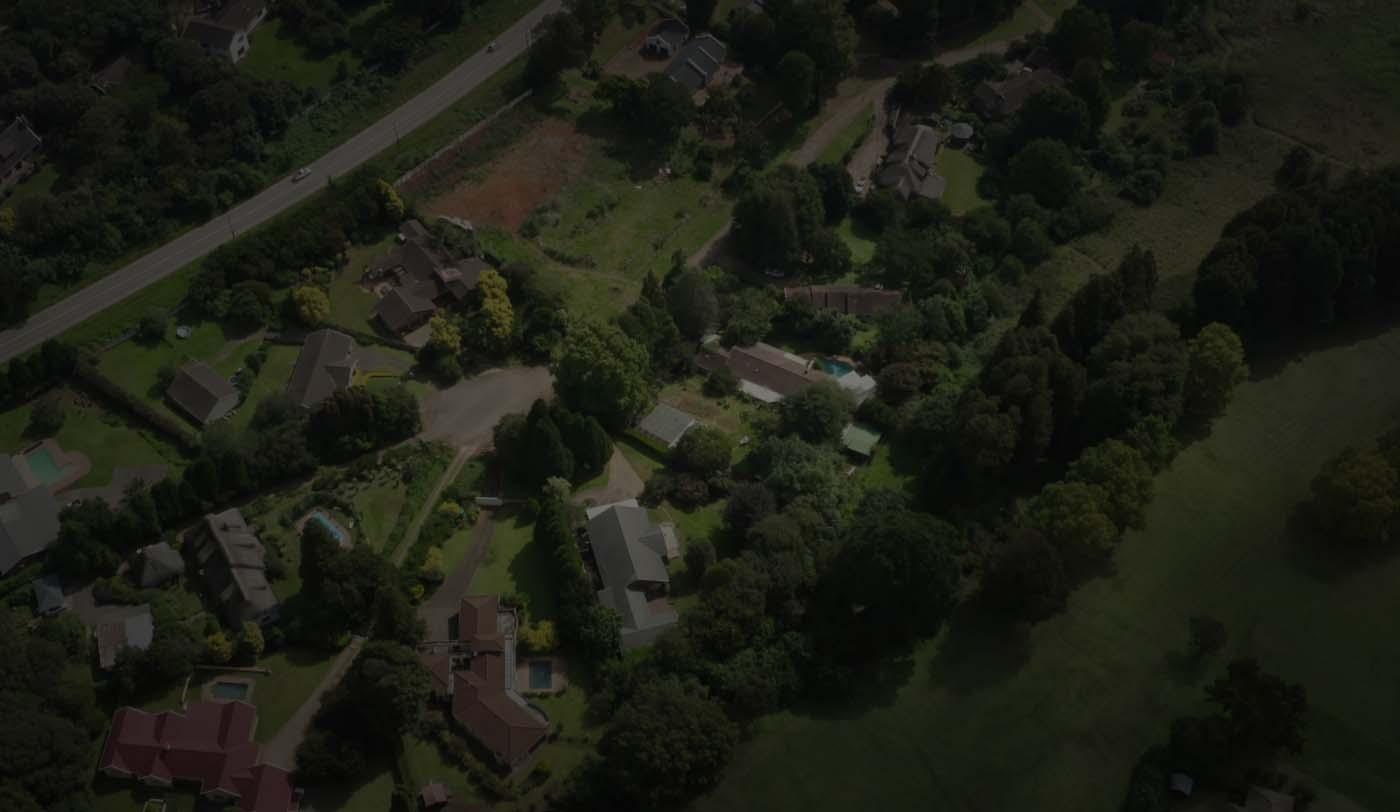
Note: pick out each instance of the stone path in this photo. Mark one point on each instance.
(282, 750)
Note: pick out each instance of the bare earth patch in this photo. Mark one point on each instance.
(546, 159)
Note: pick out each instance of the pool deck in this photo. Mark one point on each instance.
(72, 465)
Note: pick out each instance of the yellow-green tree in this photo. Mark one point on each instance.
(251, 643)
(313, 306)
(7, 222)
(218, 649)
(496, 320)
(444, 334)
(390, 201)
(433, 569)
(539, 637)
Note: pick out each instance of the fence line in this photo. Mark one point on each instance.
(454, 143)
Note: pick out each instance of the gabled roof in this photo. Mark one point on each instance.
(28, 525)
(502, 723)
(628, 548)
(860, 439)
(403, 307)
(245, 558)
(199, 389)
(209, 744)
(666, 425)
(671, 31)
(478, 623)
(770, 373)
(132, 629)
(160, 563)
(325, 366)
(851, 299)
(697, 62)
(17, 142)
(915, 142)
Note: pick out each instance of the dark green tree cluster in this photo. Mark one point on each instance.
(1307, 260)
(551, 441)
(51, 714)
(359, 419)
(94, 538)
(776, 220)
(656, 106)
(1356, 495)
(603, 373)
(589, 629)
(27, 375)
(820, 35)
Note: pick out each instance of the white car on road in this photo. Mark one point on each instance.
(301, 174)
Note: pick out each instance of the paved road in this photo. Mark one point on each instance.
(174, 255)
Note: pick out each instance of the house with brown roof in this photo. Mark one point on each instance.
(1005, 98)
(202, 393)
(325, 366)
(233, 564)
(474, 672)
(420, 277)
(852, 300)
(208, 746)
(227, 33)
(765, 372)
(18, 143)
(910, 165)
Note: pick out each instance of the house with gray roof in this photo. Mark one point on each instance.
(698, 62)
(909, 168)
(48, 596)
(228, 32)
(202, 393)
(631, 551)
(233, 564)
(127, 627)
(18, 143)
(666, 425)
(325, 366)
(28, 514)
(158, 564)
(666, 38)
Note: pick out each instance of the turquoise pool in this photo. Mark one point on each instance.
(229, 690)
(833, 367)
(541, 675)
(41, 462)
(320, 517)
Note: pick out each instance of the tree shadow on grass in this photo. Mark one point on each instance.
(979, 650)
(1268, 358)
(874, 686)
(1326, 557)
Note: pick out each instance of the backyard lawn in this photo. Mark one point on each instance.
(379, 507)
(983, 719)
(352, 305)
(112, 795)
(425, 761)
(516, 564)
(107, 440)
(372, 791)
(962, 172)
(136, 365)
(862, 245)
(277, 57)
(271, 379)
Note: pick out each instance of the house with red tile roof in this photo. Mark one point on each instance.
(209, 745)
(475, 674)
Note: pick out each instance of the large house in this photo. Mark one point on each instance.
(28, 513)
(326, 366)
(698, 62)
(227, 33)
(474, 672)
(666, 38)
(852, 300)
(208, 745)
(234, 566)
(909, 167)
(202, 393)
(631, 551)
(420, 277)
(1005, 98)
(18, 142)
(765, 372)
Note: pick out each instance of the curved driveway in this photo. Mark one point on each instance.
(174, 255)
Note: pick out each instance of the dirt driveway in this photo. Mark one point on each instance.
(465, 413)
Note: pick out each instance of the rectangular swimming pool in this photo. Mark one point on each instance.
(229, 690)
(541, 675)
(41, 462)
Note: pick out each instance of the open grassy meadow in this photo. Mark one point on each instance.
(984, 719)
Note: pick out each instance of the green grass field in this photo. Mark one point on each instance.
(275, 56)
(271, 380)
(424, 759)
(983, 719)
(107, 440)
(380, 506)
(352, 305)
(962, 172)
(514, 563)
(862, 247)
(372, 791)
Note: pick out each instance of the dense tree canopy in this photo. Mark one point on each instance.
(605, 374)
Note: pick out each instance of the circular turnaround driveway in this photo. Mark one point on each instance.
(464, 413)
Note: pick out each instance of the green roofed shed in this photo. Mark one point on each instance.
(860, 439)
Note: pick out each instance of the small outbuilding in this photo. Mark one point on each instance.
(159, 564)
(666, 425)
(202, 393)
(48, 596)
(1181, 784)
(860, 440)
(433, 796)
(960, 133)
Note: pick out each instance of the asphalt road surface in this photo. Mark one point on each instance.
(174, 255)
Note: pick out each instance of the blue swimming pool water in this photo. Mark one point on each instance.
(541, 675)
(320, 517)
(833, 367)
(41, 462)
(230, 690)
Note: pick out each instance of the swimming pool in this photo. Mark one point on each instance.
(41, 462)
(320, 517)
(541, 675)
(833, 367)
(229, 690)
